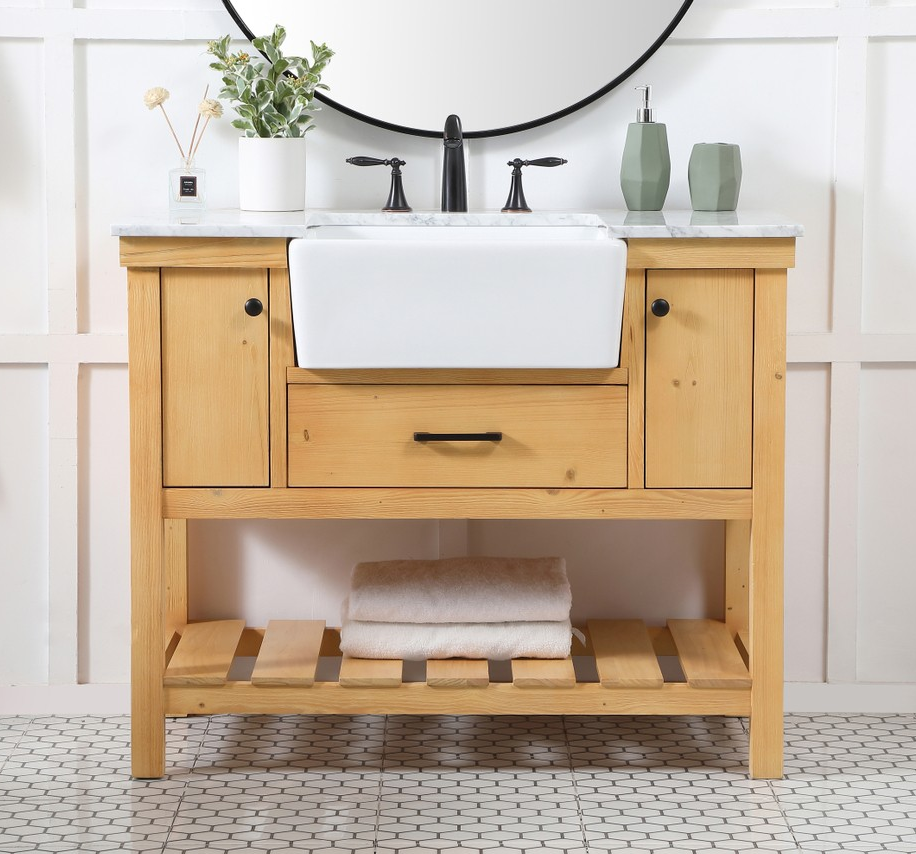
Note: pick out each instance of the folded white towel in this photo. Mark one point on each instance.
(461, 590)
(421, 641)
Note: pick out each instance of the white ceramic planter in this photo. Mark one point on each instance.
(271, 174)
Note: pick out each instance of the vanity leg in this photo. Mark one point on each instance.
(737, 564)
(767, 537)
(176, 576)
(147, 532)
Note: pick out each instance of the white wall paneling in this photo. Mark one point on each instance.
(626, 570)
(290, 569)
(807, 465)
(816, 93)
(890, 221)
(104, 525)
(24, 611)
(887, 471)
(23, 289)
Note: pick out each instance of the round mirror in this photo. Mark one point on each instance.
(501, 66)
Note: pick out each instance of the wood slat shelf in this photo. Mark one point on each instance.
(289, 653)
(625, 652)
(204, 654)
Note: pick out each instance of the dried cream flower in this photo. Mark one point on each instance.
(155, 97)
(210, 108)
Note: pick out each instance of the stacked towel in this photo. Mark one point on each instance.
(480, 607)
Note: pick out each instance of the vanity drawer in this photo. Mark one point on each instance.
(550, 436)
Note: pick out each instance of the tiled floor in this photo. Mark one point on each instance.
(447, 785)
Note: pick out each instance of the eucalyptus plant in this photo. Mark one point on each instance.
(275, 98)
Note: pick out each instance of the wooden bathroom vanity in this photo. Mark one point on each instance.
(690, 426)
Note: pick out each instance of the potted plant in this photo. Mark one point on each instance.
(275, 103)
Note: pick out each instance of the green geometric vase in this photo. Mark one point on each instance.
(714, 176)
(645, 170)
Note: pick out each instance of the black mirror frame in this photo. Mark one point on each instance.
(480, 134)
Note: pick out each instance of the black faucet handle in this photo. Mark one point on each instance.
(516, 202)
(396, 162)
(547, 161)
(397, 201)
(541, 161)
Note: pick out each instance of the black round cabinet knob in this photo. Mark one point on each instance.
(254, 307)
(660, 307)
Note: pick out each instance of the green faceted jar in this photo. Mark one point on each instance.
(714, 176)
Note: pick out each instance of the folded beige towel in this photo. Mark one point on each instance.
(461, 590)
(421, 641)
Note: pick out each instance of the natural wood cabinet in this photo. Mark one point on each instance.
(690, 426)
(214, 378)
(699, 377)
(536, 435)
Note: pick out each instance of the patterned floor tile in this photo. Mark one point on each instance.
(480, 743)
(77, 823)
(863, 814)
(449, 784)
(291, 744)
(11, 731)
(70, 757)
(855, 745)
(703, 746)
(657, 811)
(277, 812)
(458, 810)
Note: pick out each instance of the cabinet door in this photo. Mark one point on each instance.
(699, 378)
(214, 378)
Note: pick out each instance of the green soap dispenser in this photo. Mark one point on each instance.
(645, 171)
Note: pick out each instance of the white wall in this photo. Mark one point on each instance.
(817, 95)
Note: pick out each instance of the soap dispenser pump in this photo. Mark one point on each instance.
(645, 171)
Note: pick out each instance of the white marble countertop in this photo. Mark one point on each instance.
(629, 224)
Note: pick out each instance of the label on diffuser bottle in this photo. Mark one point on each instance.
(187, 186)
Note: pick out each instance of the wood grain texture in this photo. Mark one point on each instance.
(417, 698)
(624, 654)
(443, 376)
(543, 673)
(553, 436)
(708, 655)
(457, 673)
(711, 253)
(699, 379)
(767, 534)
(743, 641)
(204, 654)
(737, 576)
(176, 575)
(259, 252)
(457, 503)
(634, 346)
(282, 357)
(147, 580)
(289, 653)
(370, 672)
(214, 378)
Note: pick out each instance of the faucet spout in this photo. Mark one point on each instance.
(454, 178)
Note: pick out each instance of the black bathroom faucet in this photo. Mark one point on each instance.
(454, 178)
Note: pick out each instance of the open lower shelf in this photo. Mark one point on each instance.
(285, 677)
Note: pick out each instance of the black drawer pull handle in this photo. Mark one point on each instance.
(458, 437)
